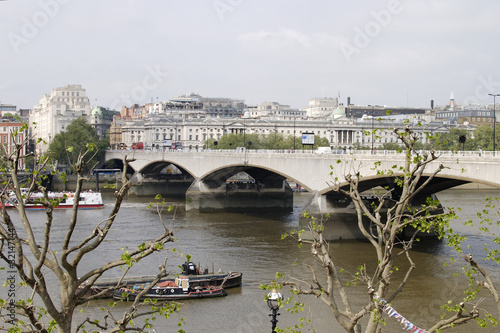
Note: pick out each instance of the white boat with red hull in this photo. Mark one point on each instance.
(61, 200)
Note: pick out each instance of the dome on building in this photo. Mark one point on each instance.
(338, 112)
(96, 111)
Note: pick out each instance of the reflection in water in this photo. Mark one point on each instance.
(250, 242)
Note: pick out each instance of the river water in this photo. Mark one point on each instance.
(251, 243)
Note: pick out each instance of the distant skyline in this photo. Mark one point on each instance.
(394, 53)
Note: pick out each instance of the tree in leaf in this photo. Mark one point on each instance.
(381, 222)
(51, 270)
(78, 137)
(260, 141)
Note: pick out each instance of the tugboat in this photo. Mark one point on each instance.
(196, 278)
(189, 271)
(180, 289)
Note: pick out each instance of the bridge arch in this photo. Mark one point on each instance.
(155, 167)
(117, 163)
(438, 183)
(262, 174)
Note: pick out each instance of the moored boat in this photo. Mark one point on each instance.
(180, 289)
(190, 271)
(197, 278)
(63, 200)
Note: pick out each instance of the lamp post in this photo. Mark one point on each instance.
(494, 121)
(273, 300)
(373, 152)
(294, 132)
(244, 134)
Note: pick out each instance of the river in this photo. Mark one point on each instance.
(251, 243)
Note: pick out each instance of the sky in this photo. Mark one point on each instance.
(394, 53)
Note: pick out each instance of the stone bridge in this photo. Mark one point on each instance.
(203, 175)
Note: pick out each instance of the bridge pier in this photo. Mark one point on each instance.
(142, 186)
(205, 198)
(342, 222)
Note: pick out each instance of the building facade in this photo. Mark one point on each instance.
(467, 117)
(358, 111)
(5, 108)
(11, 132)
(274, 110)
(320, 107)
(56, 111)
(101, 119)
(160, 132)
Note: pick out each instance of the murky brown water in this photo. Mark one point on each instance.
(251, 243)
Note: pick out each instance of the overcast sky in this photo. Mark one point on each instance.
(394, 53)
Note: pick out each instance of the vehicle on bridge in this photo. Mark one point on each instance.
(323, 150)
(138, 146)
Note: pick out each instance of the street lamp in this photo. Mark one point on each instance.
(294, 132)
(373, 152)
(494, 121)
(273, 300)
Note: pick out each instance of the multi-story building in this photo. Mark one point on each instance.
(115, 132)
(136, 111)
(56, 111)
(320, 107)
(5, 108)
(10, 133)
(218, 107)
(187, 106)
(274, 110)
(471, 117)
(101, 119)
(158, 132)
(358, 111)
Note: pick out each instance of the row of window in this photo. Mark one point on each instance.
(72, 93)
(70, 100)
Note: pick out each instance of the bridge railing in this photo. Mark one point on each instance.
(447, 153)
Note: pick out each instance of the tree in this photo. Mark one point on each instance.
(450, 140)
(68, 145)
(259, 141)
(483, 137)
(37, 261)
(382, 222)
(391, 146)
(12, 116)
